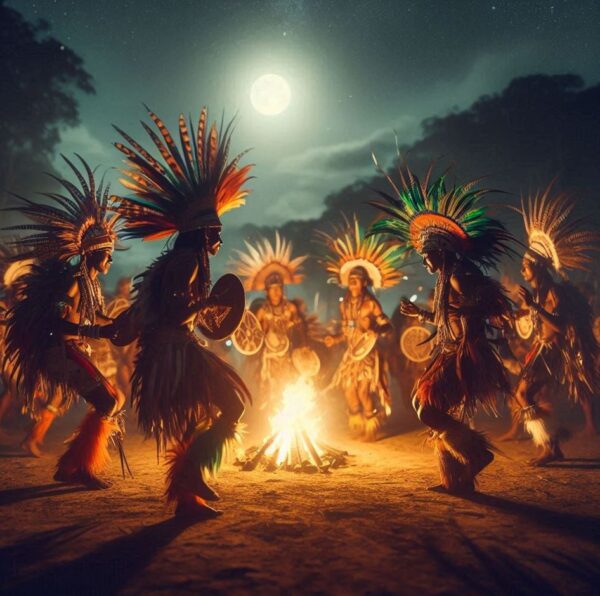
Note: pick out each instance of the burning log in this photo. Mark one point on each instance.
(250, 464)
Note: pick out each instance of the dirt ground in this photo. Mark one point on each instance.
(372, 527)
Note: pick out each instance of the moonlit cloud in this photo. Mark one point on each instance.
(312, 174)
(80, 140)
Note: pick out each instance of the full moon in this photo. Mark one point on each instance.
(270, 95)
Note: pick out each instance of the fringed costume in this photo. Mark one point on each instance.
(450, 229)
(61, 306)
(564, 349)
(184, 395)
(122, 356)
(270, 268)
(359, 264)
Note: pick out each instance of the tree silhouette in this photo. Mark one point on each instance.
(40, 76)
(538, 128)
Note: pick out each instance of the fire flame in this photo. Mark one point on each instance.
(296, 426)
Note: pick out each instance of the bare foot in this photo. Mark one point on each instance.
(512, 434)
(203, 490)
(195, 507)
(464, 489)
(547, 457)
(31, 447)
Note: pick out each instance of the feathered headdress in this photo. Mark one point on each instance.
(427, 215)
(192, 186)
(265, 263)
(553, 239)
(75, 223)
(351, 253)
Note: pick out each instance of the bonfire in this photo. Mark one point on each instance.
(294, 442)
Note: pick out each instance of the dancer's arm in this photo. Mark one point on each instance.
(553, 319)
(381, 319)
(408, 309)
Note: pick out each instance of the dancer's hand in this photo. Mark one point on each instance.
(409, 309)
(329, 341)
(525, 296)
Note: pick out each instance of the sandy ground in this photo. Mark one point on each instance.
(372, 527)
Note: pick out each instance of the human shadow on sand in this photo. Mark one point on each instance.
(14, 558)
(585, 527)
(28, 493)
(576, 463)
(11, 451)
(107, 568)
(499, 569)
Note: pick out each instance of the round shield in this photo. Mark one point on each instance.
(276, 343)
(223, 316)
(306, 362)
(248, 338)
(361, 344)
(411, 343)
(524, 326)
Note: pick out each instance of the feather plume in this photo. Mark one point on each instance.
(419, 211)
(264, 259)
(73, 224)
(559, 241)
(190, 189)
(349, 247)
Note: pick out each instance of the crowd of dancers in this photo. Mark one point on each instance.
(471, 349)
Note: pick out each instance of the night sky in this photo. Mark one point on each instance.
(357, 70)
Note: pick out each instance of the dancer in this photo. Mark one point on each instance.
(11, 270)
(270, 268)
(184, 395)
(72, 243)
(564, 350)
(361, 264)
(449, 228)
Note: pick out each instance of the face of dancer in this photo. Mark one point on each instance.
(214, 240)
(528, 270)
(432, 261)
(275, 294)
(101, 260)
(356, 285)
